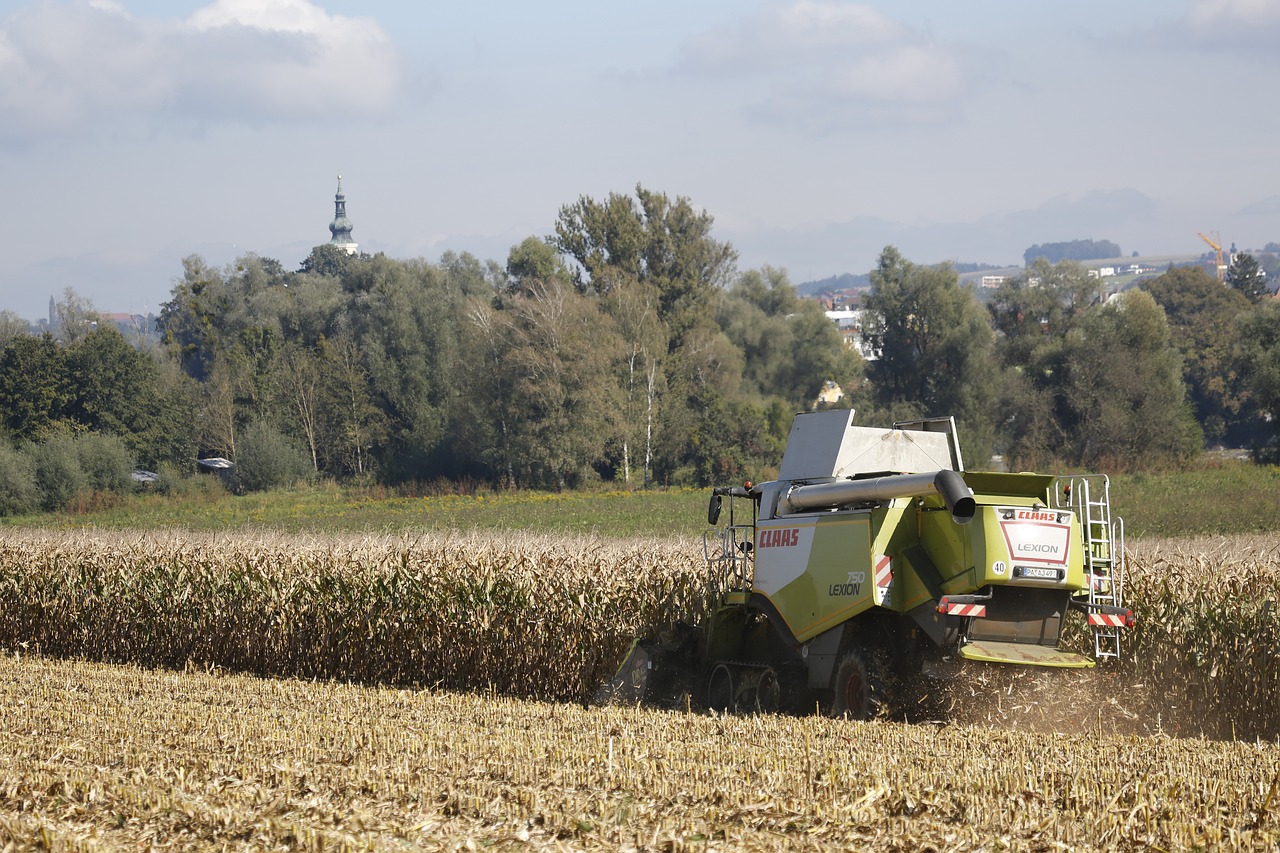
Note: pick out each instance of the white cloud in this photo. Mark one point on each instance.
(67, 66)
(281, 15)
(1241, 12)
(109, 6)
(912, 74)
(1234, 23)
(825, 64)
(789, 32)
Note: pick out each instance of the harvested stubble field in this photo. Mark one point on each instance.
(1026, 759)
(109, 757)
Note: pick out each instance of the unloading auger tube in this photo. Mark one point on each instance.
(948, 484)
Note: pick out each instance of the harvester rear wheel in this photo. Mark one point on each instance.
(859, 686)
(720, 689)
(768, 692)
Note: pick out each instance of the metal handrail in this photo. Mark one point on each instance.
(733, 557)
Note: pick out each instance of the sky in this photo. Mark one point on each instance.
(134, 133)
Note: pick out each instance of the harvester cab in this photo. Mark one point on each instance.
(874, 552)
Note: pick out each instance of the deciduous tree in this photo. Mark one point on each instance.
(562, 360)
(407, 327)
(190, 323)
(1039, 307)
(11, 326)
(120, 390)
(1256, 356)
(300, 385)
(789, 346)
(355, 426)
(1202, 325)
(633, 305)
(1126, 392)
(933, 347)
(35, 387)
(651, 239)
(531, 261)
(76, 316)
(488, 419)
(18, 493)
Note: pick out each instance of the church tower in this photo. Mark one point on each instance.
(340, 227)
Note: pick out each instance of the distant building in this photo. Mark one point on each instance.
(849, 322)
(340, 227)
(129, 325)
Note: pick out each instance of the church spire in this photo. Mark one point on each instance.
(340, 227)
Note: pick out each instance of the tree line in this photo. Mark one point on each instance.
(1075, 250)
(627, 347)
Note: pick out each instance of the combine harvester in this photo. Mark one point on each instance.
(875, 556)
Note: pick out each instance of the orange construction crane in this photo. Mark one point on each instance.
(1217, 248)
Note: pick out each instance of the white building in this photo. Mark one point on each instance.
(849, 321)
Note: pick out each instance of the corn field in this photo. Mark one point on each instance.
(1207, 642)
(550, 618)
(526, 616)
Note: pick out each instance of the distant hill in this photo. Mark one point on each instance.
(848, 281)
(970, 268)
(1076, 250)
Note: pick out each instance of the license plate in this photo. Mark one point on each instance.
(1039, 574)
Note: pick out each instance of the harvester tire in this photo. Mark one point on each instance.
(859, 686)
(768, 692)
(721, 689)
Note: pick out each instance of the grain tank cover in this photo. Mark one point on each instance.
(825, 446)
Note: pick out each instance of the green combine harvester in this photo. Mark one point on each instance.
(876, 556)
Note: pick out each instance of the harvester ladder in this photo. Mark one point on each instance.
(1089, 496)
(732, 558)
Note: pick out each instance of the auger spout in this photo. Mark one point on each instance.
(948, 484)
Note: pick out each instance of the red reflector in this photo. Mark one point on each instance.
(946, 607)
(1113, 620)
